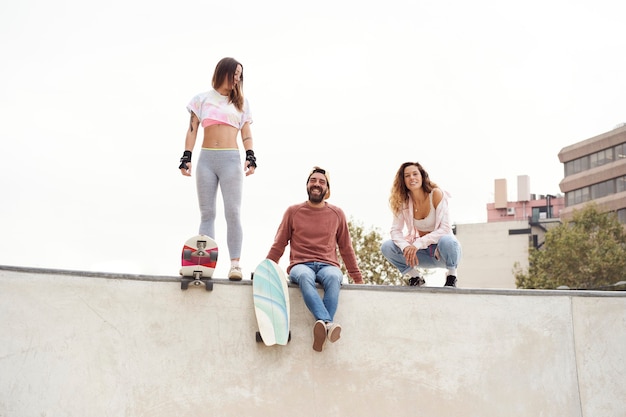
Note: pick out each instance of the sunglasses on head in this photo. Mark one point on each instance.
(318, 169)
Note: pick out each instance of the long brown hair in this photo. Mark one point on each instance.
(400, 194)
(225, 70)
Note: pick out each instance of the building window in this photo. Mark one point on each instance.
(620, 184)
(569, 168)
(602, 189)
(577, 165)
(577, 196)
(600, 158)
(603, 157)
(606, 156)
(595, 191)
(621, 216)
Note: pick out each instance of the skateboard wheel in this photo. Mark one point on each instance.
(209, 286)
(187, 254)
(289, 338)
(259, 339)
(184, 285)
(213, 256)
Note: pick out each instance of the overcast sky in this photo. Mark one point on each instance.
(93, 96)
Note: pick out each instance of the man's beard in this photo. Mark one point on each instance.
(316, 198)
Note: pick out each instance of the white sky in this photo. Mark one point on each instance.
(93, 96)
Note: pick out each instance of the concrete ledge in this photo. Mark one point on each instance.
(75, 344)
(350, 287)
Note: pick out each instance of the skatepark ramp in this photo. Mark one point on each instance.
(95, 344)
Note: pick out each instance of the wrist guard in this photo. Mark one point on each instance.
(251, 158)
(185, 158)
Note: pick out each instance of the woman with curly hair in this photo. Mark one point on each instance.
(420, 208)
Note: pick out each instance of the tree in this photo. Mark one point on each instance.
(587, 252)
(375, 268)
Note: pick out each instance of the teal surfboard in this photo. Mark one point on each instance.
(271, 303)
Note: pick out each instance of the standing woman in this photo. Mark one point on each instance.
(222, 112)
(420, 208)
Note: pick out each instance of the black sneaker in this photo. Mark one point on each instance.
(416, 281)
(450, 281)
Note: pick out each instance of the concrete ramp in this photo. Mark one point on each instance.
(91, 345)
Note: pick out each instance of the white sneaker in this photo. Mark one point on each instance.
(235, 273)
(333, 332)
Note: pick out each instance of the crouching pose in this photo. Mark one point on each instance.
(421, 234)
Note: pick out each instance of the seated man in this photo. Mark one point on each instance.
(314, 230)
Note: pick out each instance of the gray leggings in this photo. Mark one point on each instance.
(221, 168)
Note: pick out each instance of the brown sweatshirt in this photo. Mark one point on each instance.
(313, 235)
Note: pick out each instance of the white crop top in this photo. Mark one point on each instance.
(213, 108)
(427, 224)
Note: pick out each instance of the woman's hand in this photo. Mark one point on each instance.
(410, 254)
(248, 169)
(187, 170)
(185, 164)
(250, 163)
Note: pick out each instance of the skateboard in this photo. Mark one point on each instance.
(199, 258)
(271, 303)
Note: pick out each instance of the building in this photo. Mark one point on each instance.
(491, 250)
(531, 207)
(595, 170)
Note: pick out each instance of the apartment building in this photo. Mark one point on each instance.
(595, 170)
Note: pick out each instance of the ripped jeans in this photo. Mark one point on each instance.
(445, 254)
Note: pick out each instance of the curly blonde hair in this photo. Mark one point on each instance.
(400, 194)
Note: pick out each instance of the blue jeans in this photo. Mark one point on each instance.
(329, 276)
(449, 255)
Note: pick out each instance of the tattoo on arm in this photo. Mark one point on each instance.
(191, 123)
